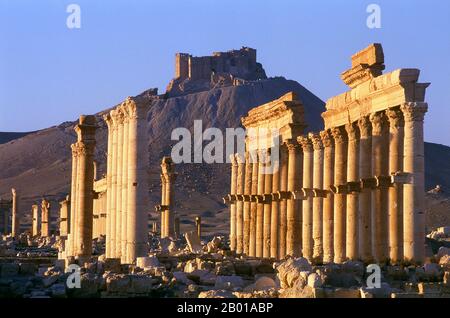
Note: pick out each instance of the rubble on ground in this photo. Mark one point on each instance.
(190, 268)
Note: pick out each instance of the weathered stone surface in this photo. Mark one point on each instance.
(193, 242)
(216, 294)
(314, 280)
(263, 283)
(147, 262)
(292, 270)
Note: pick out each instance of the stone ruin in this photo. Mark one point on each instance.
(341, 198)
(222, 68)
(354, 191)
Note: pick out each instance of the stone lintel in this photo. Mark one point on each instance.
(381, 93)
(366, 65)
(285, 115)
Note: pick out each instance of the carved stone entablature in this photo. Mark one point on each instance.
(366, 64)
(284, 116)
(378, 94)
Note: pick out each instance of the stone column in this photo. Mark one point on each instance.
(318, 200)
(413, 193)
(35, 225)
(120, 154)
(163, 205)
(365, 197)
(64, 217)
(240, 184)
(328, 202)
(15, 218)
(307, 211)
(293, 218)
(275, 208)
(234, 168)
(267, 205)
(247, 203)
(396, 136)
(124, 187)
(198, 226)
(73, 195)
(380, 167)
(137, 221)
(114, 193)
(169, 178)
(282, 231)
(253, 203)
(86, 139)
(45, 218)
(340, 178)
(352, 197)
(109, 123)
(260, 206)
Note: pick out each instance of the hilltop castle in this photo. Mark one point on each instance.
(222, 68)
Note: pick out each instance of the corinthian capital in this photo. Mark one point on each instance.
(365, 127)
(339, 134)
(292, 145)
(327, 138)
(379, 122)
(316, 141)
(305, 143)
(395, 117)
(352, 131)
(414, 111)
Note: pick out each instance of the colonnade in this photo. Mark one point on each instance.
(127, 216)
(353, 191)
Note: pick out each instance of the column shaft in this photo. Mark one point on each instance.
(108, 120)
(413, 193)
(114, 193)
(282, 232)
(137, 221)
(352, 198)
(233, 204)
(247, 203)
(260, 206)
(396, 135)
(365, 197)
(15, 217)
(294, 235)
(318, 200)
(240, 184)
(120, 153)
(307, 210)
(328, 202)
(124, 187)
(380, 167)
(253, 204)
(275, 207)
(340, 200)
(267, 205)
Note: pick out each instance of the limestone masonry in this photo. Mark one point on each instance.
(352, 191)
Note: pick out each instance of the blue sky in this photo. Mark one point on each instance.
(50, 74)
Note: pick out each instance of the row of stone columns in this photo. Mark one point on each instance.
(126, 223)
(350, 192)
